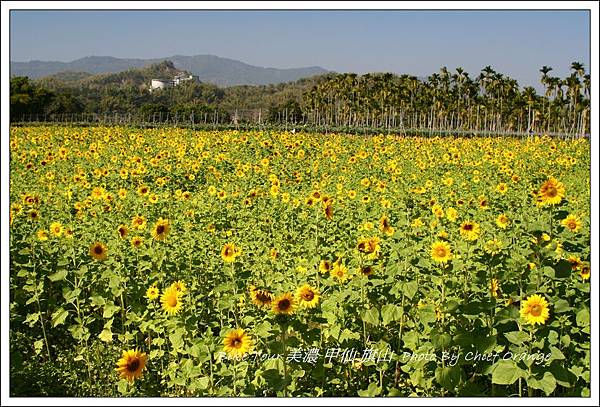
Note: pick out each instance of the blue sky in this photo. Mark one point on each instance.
(516, 43)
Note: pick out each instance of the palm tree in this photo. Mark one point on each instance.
(491, 101)
(578, 68)
(530, 95)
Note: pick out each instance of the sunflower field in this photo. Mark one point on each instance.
(175, 262)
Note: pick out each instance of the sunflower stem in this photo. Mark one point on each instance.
(551, 222)
(235, 314)
(520, 326)
(529, 388)
(283, 343)
(37, 300)
(235, 377)
(85, 342)
(402, 304)
(466, 275)
(122, 311)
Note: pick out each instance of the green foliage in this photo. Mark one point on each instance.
(389, 319)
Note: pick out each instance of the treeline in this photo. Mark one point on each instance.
(128, 93)
(453, 100)
(490, 101)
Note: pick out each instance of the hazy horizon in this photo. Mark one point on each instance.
(515, 43)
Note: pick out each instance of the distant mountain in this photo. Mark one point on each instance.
(209, 68)
(131, 77)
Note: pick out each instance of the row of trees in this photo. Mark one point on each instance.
(453, 100)
(28, 98)
(445, 100)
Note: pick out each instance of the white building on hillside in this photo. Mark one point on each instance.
(169, 83)
(182, 78)
(161, 84)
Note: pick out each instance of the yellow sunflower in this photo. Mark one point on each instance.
(161, 229)
(261, 298)
(99, 251)
(138, 222)
(237, 343)
(571, 222)
(585, 272)
(494, 287)
(551, 192)
(136, 241)
(68, 233)
(42, 235)
(152, 292)
(576, 262)
(284, 304)
(122, 230)
(369, 246)
(171, 301)
(143, 190)
(131, 364)
(469, 230)
(451, 214)
(417, 223)
(339, 271)
(535, 310)
(384, 225)
(366, 270)
(56, 229)
(324, 266)
(441, 252)
(179, 286)
(437, 210)
(502, 221)
(308, 296)
(493, 246)
(229, 252)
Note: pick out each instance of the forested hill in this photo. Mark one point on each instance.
(209, 68)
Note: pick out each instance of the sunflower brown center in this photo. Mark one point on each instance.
(551, 192)
(172, 301)
(440, 251)
(284, 304)
(228, 251)
(160, 229)
(98, 250)
(236, 342)
(468, 227)
(536, 310)
(308, 296)
(133, 365)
